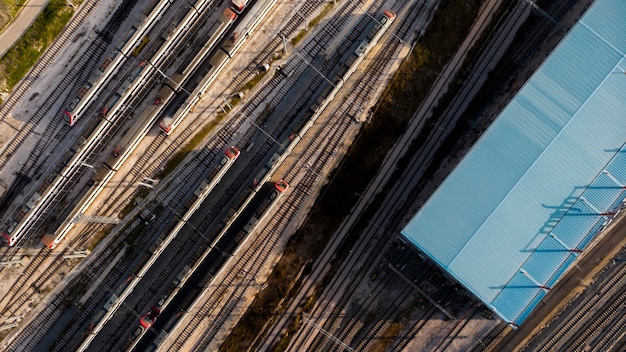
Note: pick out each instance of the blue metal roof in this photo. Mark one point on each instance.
(534, 189)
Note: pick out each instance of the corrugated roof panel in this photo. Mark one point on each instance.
(550, 254)
(606, 18)
(602, 194)
(516, 296)
(494, 212)
(617, 169)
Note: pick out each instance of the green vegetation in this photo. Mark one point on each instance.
(310, 302)
(95, 239)
(254, 81)
(175, 160)
(298, 37)
(8, 10)
(128, 208)
(141, 193)
(133, 236)
(4, 333)
(383, 343)
(27, 50)
(265, 114)
(402, 97)
(314, 22)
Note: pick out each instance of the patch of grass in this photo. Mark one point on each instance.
(128, 208)
(98, 237)
(172, 163)
(310, 302)
(4, 333)
(143, 192)
(268, 302)
(265, 114)
(254, 81)
(295, 40)
(383, 342)
(175, 160)
(314, 22)
(132, 237)
(8, 10)
(24, 54)
(403, 96)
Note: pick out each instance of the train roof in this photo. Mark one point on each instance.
(147, 320)
(390, 14)
(230, 14)
(232, 152)
(281, 186)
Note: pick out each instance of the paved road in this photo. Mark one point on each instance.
(20, 24)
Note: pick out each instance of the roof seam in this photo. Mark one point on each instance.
(535, 162)
(601, 38)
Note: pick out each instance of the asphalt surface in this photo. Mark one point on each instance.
(27, 15)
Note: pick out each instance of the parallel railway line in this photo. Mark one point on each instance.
(83, 62)
(590, 312)
(282, 126)
(74, 244)
(43, 255)
(340, 307)
(47, 58)
(361, 92)
(177, 190)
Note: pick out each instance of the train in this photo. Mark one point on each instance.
(263, 210)
(280, 187)
(221, 56)
(352, 62)
(148, 319)
(144, 263)
(104, 172)
(137, 78)
(238, 5)
(8, 229)
(215, 63)
(141, 126)
(341, 74)
(101, 76)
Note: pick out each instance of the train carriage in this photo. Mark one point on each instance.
(238, 6)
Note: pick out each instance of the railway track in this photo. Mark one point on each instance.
(278, 133)
(85, 62)
(20, 92)
(43, 255)
(55, 130)
(272, 86)
(46, 59)
(221, 300)
(372, 72)
(590, 310)
(340, 307)
(82, 318)
(73, 244)
(601, 329)
(58, 131)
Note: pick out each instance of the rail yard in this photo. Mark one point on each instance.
(154, 175)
